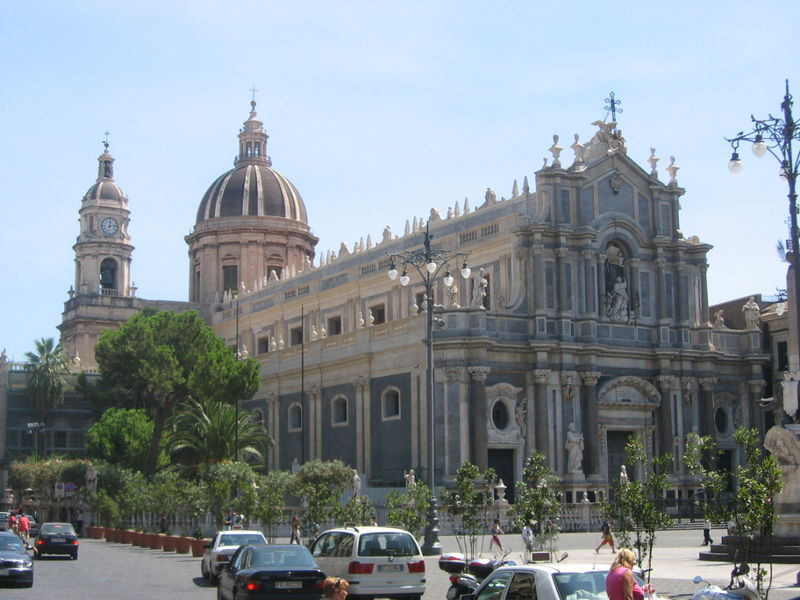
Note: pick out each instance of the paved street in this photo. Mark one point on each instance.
(124, 572)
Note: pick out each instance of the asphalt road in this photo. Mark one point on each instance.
(123, 572)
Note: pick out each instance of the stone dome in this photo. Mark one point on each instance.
(252, 188)
(105, 188)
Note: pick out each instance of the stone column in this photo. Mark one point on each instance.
(458, 417)
(541, 426)
(683, 309)
(479, 416)
(601, 284)
(589, 422)
(561, 283)
(635, 301)
(753, 415)
(538, 289)
(702, 318)
(363, 428)
(666, 435)
(589, 292)
(661, 291)
(707, 406)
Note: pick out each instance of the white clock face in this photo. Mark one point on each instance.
(109, 226)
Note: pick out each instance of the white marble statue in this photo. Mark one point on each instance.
(479, 290)
(751, 313)
(617, 304)
(356, 484)
(574, 446)
(623, 476)
(410, 478)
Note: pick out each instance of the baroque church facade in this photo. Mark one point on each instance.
(584, 322)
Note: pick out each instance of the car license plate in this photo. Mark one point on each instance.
(58, 540)
(288, 585)
(390, 568)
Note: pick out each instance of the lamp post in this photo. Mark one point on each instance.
(428, 263)
(238, 356)
(775, 135)
(35, 429)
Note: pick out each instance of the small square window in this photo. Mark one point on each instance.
(378, 313)
(262, 345)
(296, 336)
(334, 325)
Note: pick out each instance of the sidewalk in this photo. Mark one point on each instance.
(675, 561)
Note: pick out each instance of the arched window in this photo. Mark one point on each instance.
(339, 411)
(390, 404)
(295, 417)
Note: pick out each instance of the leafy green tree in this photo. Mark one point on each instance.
(122, 437)
(41, 476)
(758, 479)
(169, 497)
(106, 509)
(320, 484)
(270, 501)
(700, 460)
(161, 359)
(228, 487)
(407, 509)
(205, 431)
(48, 368)
(358, 510)
(538, 499)
(126, 488)
(638, 507)
(468, 506)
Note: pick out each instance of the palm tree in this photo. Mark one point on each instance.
(48, 368)
(205, 432)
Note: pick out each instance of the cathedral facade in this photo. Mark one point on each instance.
(584, 321)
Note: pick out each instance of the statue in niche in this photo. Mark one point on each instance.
(574, 446)
(617, 300)
(617, 304)
(479, 290)
(751, 313)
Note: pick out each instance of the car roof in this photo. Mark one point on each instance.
(241, 532)
(366, 529)
(557, 567)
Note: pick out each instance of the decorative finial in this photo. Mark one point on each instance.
(611, 106)
(653, 160)
(672, 169)
(105, 142)
(578, 149)
(555, 150)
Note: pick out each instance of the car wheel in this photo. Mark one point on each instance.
(204, 571)
(213, 579)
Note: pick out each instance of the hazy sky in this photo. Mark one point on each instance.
(376, 111)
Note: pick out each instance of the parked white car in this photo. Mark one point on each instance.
(375, 561)
(222, 547)
(546, 581)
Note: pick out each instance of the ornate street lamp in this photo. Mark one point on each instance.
(775, 135)
(428, 263)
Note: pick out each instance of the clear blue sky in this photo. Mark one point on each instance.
(377, 111)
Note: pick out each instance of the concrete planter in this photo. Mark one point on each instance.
(198, 546)
(155, 541)
(112, 534)
(125, 536)
(168, 543)
(183, 545)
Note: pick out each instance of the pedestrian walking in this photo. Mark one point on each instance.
(606, 537)
(496, 533)
(707, 541)
(527, 539)
(295, 535)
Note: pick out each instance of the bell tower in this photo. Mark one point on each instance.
(102, 296)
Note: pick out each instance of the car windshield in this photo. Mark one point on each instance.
(241, 539)
(11, 543)
(578, 586)
(385, 543)
(57, 529)
(294, 558)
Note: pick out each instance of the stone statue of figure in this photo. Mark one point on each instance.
(574, 448)
(453, 293)
(719, 319)
(410, 478)
(751, 313)
(479, 290)
(356, 484)
(490, 196)
(91, 479)
(623, 476)
(617, 305)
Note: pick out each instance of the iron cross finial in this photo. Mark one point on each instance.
(611, 106)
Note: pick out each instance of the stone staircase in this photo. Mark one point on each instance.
(783, 550)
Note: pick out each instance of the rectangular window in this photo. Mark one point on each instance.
(783, 356)
(566, 212)
(378, 313)
(230, 278)
(549, 285)
(391, 405)
(60, 439)
(296, 336)
(334, 325)
(644, 294)
(568, 285)
(262, 345)
(669, 295)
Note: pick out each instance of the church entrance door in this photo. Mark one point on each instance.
(502, 461)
